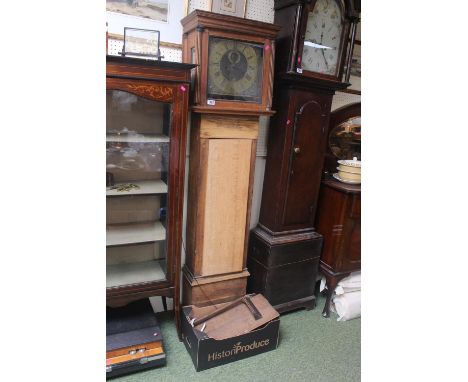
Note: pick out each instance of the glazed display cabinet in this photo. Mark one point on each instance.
(146, 120)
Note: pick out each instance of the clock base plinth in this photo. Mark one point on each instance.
(284, 268)
(216, 289)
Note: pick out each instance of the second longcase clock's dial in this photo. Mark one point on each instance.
(234, 70)
(322, 40)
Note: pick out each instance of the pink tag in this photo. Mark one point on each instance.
(299, 60)
(267, 46)
(183, 88)
(288, 122)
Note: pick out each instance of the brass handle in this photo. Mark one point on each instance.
(297, 150)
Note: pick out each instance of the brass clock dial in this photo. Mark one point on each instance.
(234, 70)
(322, 40)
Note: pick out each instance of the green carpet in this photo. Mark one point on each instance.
(311, 348)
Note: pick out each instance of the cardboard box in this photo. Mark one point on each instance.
(207, 352)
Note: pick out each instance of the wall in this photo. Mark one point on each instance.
(340, 99)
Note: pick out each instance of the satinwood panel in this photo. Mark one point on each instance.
(226, 199)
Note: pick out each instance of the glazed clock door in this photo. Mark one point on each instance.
(322, 38)
(138, 138)
(324, 30)
(235, 70)
(306, 157)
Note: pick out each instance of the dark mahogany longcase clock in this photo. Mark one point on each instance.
(312, 49)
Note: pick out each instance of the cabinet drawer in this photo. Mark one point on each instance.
(356, 206)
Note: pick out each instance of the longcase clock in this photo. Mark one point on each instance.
(233, 85)
(312, 48)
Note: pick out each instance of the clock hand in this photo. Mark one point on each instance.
(318, 46)
(323, 53)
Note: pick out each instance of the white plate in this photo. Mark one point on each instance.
(351, 163)
(337, 177)
(348, 172)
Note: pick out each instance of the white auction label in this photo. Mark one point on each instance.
(299, 70)
(211, 102)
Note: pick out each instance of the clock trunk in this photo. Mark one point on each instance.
(296, 147)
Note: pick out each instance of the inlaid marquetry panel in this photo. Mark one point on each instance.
(145, 89)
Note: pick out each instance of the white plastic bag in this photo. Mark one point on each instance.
(347, 305)
(352, 283)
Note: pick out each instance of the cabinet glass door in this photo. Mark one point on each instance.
(137, 165)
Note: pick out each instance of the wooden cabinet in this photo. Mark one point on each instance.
(339, 221)
(146, 119)
(339, 206)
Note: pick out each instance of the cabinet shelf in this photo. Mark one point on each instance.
(134, 233)
(147, 187)
(135, 273)
(137, 138)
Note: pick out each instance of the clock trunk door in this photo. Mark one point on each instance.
(304, 179)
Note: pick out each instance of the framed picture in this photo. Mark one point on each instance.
(161, 15)
(141, 43)
(150, 9)
(229, 7)
(186, 7)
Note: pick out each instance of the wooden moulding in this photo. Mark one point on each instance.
(136, 68)
(239, 111)
(215, 126)
(284, 237)
(204, 291)
(215, 21)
